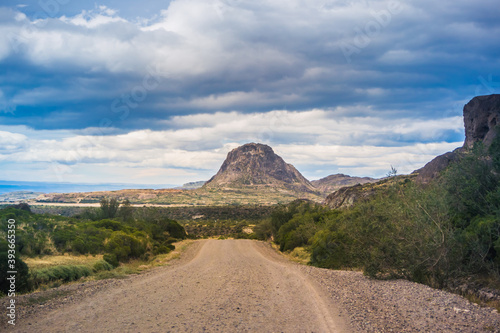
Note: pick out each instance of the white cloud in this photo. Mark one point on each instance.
(94, 18)
(240, 99)
(11, 142)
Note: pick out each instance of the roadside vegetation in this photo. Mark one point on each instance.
(445, 234)
(51, 249)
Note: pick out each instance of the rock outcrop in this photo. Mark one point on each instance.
(346, 197)
(434, 168)
(481, 117)
(254, 165)
(481, 120)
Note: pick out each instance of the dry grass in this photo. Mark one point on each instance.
(137, 266)
(164, 259)
(59, 260)
(132, 267)
(300, 255)
(476, 299)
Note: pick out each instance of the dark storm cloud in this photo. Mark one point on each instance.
(396, 58)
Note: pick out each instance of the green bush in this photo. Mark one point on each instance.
(22, 276)
(125, 246)
(65, 273)
(293, 226)
(109, 224)
(111, 259)
(263, 230)
(102, 265)
(162, 250)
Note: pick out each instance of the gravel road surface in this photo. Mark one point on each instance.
(246, 286)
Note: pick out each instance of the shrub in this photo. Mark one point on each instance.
(125, 246)
(22, 276)
(102, 265)
(111, 259)
(109, 224)
(263, 230)
(65, 273)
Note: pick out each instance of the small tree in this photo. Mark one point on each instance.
(393, 172)
(126, 211)
(109, 208)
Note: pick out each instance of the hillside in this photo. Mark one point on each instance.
(333, 183)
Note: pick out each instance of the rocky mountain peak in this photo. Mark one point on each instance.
(481, 117)
(257, 164)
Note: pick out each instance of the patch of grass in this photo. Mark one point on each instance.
(137, 266)
(300, 255)
(114, 274)
(61, 260)
(50, 275)
(162, 259)
(476, 299)
(63, 273)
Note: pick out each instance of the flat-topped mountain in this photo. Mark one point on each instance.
(256, 165)
(334, 182)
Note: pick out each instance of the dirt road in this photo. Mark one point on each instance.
(246, 286)
(228, 286)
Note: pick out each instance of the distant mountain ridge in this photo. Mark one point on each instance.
(191, 185)
(335, 182)
(251, 174)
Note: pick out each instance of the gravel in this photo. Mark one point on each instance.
(246, 286)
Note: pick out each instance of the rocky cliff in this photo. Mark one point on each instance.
(256, 165)
(481, 120)
(481, 117)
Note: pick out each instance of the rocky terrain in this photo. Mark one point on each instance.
(481, 117)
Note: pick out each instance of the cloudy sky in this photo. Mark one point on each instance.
(158, 92)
